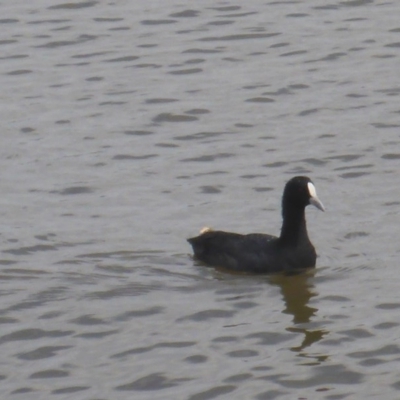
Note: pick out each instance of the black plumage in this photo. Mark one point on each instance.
(261, 253)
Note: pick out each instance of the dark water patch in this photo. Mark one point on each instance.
(225, 339)
(381, 125)
(242, 353)
(97, 335)
(49, 373)
(167, 145)
(26, 305)
(241, 125)
(125, 28)
(158, 21)
(309, 111)
(389, 350)
(62, 43)
(9, 21)
(239, 15)
(352, 235)
(160, 101)
(8, 320)
(208, 158)
(354, 167)
(196, 359)
(8, 41)
(7, 262)
(210, 189)
(135, 158)
(350, 175)
(386, 325)
(260, 100)
(138, 133)
(293, 53)
(226, 8)
(207, 315)
(42, 352)
(276, 164)
(112, 103)
(185, 14)
(238, 378)
(219, 23)
(372, 362)
(187, 71)
(14, 57)
(33, 334)
(20, 72)
(213, 393)
(357, 333)
(356, 95)
(148, 65)
(90, 55)
(163, 345)
(245, 305)
(102, 19)
(168, 117)
(271, 395)
(49, 21)
(389, 203)
(297, 15)
(335, 298)
(244, 36)
(202, 51)
(278, 45)
(123, 59)
(200, 136)
(23, 251)
(383, 56)
(388, 306)
(147, 312)
(197, 111)
(70, 389)
(329, 57)
(391, 156)
(396, 44)
(156, 381)
(195, 61)
(73, 6)
(75, 190)
(355, 3)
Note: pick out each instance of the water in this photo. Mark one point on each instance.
(128, 126)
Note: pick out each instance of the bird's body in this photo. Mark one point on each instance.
(261, 253)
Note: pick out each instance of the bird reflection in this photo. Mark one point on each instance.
(297, 290)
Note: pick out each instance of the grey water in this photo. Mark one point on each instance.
(126, 127)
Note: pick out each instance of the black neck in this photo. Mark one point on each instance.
(294, 229)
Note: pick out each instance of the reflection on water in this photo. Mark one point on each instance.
(297, 290)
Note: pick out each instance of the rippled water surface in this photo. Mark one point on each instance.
(129, 125)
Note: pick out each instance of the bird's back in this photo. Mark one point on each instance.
(253, 253)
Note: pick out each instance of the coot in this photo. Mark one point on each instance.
(261, 253)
